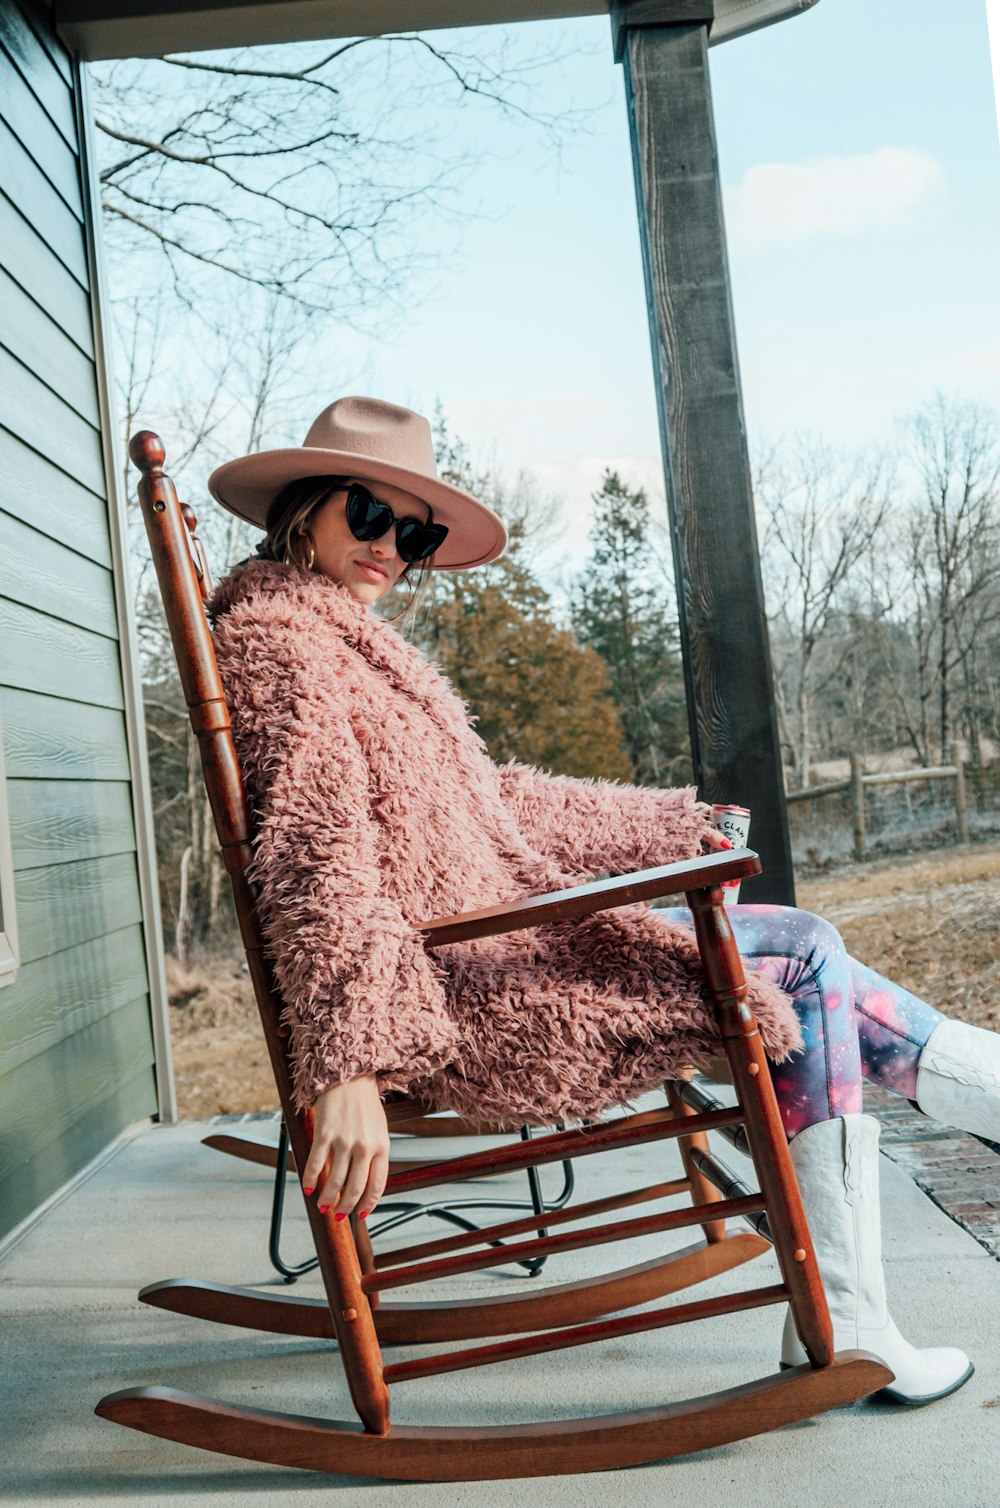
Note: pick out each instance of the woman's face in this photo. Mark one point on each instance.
(367, 567)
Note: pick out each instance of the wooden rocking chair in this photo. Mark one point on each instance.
(570, 1314)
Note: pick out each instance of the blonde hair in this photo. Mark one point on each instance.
(291, 511)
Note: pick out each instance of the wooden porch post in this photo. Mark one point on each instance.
(663, 45)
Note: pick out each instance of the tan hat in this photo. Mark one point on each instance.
(373, 441)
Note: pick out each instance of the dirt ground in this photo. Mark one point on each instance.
(930, 921)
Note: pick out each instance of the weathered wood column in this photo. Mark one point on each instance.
(663, 45)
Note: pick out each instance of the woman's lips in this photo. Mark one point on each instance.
(373, 572)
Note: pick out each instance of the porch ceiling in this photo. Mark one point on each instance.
(149, 28)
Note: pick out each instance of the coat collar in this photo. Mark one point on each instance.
(291, 593)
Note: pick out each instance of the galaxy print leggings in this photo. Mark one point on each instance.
(853, 1021)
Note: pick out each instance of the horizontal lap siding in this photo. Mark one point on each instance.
(34, 489)
(76, 1053)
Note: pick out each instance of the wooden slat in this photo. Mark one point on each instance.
(20, 108)
(49, 85)
(42, 1098)
(36, 570)
(31, 264)
(57, 821)
(42, 654)
(46, 422)
(37, 340)
(39, 1175)
(46, 738)
(23, 183)
(519, 1251)
(586, 1141)
(61, 994)
(34, 490)
(63, 905)
(582, 1335)
(596, 895)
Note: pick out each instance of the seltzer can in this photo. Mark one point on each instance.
(733, 823)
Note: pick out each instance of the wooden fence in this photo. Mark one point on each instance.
(857, 781)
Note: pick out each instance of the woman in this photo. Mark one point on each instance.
(376, 808)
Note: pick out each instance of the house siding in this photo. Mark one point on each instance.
(76, 1042)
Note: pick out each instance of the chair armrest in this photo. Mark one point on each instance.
(599, 895)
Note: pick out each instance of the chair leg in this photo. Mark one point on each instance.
(765, 1133)
(366, 1255)
(702, 1190)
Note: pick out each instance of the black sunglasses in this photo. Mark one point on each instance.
(367, 518)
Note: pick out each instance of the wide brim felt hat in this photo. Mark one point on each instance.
(372, 441)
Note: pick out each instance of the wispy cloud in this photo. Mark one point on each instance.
(778, 203)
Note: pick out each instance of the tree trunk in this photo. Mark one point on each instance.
(182, 931)
(944, 690)
(805, 731)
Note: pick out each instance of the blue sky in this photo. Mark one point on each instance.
(860, 162)
(861, 169)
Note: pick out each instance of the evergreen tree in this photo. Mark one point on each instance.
(620, 607)
(537, 694)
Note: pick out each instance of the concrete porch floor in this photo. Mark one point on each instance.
(164, 1206)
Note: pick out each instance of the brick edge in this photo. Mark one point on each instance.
(959, 1172)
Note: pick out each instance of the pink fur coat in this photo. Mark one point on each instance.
(375, 807)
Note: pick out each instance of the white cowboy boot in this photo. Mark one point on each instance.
(836, 1164)
(958, 1078)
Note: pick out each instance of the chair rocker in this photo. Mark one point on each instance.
(570, 1314)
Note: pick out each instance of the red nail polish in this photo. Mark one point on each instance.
(363, 1215)
(307, 1191)
(324, 1209)
(726, 843)
(340, 1217)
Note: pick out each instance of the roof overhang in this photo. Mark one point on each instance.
(149, 28)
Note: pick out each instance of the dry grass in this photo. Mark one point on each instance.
(931, 921)
(220, 1059)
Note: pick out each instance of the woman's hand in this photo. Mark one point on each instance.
(714, 842)
(351, 1129)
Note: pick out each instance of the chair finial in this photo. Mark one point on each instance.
(147, 451)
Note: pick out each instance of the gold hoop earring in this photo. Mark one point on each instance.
(396, 616)
(309, 562)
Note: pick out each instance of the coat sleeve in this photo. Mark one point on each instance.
(361, 993)
(598, 824)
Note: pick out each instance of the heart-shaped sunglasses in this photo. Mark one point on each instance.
(367, 518)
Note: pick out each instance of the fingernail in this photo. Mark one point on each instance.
(340, 1216)
(307, 1191)
(726, 843)
(324, 1209)
(363, 1215)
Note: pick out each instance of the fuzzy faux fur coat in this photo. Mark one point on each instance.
(376, 806)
